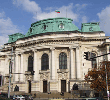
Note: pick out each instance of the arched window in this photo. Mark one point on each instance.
(44, 62)
(62, 61)
(44, 27)
(61, 26)
(30, 63)
(94, 61)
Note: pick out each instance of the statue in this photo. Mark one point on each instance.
(16, 88)
(75, 87)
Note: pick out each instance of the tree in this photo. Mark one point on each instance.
(97, 76)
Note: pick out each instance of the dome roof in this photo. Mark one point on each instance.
(51, 25)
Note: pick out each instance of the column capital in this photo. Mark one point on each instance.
(71, 47)
(52, 48)
(77, 47)
(17, 53)
(21, 53)
(34, 50)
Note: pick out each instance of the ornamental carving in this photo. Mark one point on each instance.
(6, 78)
(44, 76)
(29, 77)
(62, 75)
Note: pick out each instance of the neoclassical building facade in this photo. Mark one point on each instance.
(50, 57)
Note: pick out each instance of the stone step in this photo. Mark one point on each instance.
(54, 95)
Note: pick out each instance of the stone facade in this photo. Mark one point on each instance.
(52, 79)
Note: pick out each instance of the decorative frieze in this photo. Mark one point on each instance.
(44, 74)
(29, 75)
(63, 73)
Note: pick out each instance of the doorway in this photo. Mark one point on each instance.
(29, 84)
(63, 85)
(44, 86)
(0, 80)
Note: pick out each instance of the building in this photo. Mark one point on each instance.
(50, 57)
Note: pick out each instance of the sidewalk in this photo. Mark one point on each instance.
(54, 96)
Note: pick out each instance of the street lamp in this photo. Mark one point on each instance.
(10, 66)
(106, 81)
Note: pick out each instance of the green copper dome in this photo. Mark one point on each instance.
(51, 25)
(90, 27)
(55, 25)
(14, 37)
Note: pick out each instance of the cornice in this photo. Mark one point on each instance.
(59, 39)
(104, 44)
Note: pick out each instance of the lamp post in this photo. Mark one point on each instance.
(10, 66)
(106, 81)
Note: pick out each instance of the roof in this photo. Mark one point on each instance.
(51, 25)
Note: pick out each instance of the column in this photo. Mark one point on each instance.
(108, 52)
(36, 73)
(22, 68)
(52, 64)
(72, 67)
(17, 67)
(78, 63)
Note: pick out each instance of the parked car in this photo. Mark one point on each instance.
(14, 97)
(5, 95)
(28, 97)
(19, 97)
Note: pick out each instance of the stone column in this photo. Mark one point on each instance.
(52, 64)
(22, 68)
(72, 67)
(108, 52)
(36, 73)
(17, 67)
(78, 63)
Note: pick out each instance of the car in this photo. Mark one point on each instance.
(28, 97)
(14, 97)
(19, 97)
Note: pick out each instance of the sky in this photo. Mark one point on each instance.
(18, 15)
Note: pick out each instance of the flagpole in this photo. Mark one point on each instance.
(36, 14)
(66, 12)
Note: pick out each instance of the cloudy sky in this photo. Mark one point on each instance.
(17, 15)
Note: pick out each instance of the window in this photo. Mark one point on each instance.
(30, 63)
(90, 29)
(62, 61)
(44, 27)
(94, 61)
(44, 62)
(109, 49)
(30, 30)
(61, 26)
